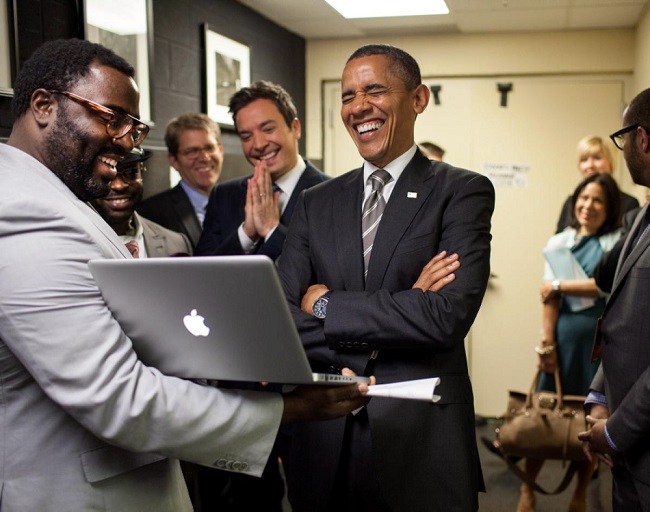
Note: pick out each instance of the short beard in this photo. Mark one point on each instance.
(635, 165)
(64, 148)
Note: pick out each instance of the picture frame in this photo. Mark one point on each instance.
(226, 70)
(126, 27)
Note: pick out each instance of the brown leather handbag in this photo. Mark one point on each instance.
(542, 424)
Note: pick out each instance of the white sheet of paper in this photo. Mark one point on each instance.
(421, 389)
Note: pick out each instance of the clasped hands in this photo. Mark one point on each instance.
(435, 275)
(262, 208)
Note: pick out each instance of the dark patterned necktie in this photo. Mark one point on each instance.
(373, 209)
(133, 248)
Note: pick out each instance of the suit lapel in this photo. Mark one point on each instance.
(346, 212)
(303, 182)
(154, 242)
(185, 211)
(408, 196)
(309, 177)
(625, 265)
(91, 214)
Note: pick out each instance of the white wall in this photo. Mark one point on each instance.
(642, 57)
(589, 51)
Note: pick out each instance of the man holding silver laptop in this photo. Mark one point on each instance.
(86, 425)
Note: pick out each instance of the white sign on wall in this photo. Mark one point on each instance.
(507, 175)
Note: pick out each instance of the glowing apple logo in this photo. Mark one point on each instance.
(194, 323)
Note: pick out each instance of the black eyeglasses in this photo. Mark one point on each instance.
(617, 137)
(131, 172)
(118, 124)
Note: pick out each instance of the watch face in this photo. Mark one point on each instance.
(320, 307)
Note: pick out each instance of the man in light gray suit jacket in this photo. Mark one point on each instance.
(85, 425)
(624, 437)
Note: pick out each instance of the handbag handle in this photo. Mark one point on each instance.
(558, 389)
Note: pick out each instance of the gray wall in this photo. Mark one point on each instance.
(276, 55)
(176, 69)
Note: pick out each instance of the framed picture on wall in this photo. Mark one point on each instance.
(125, 26)
(226, 70)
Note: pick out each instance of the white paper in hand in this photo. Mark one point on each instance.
(421, 389)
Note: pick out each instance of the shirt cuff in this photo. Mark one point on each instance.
(595, 398)
(247, 244)
(610, 442)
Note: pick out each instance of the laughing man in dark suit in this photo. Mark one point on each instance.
(394, 455)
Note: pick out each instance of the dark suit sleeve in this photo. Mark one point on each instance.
(218, 236)
(606, 267)
(598, 382)
(296, 274)
(412, 319)
(273, 246)
(629, 424)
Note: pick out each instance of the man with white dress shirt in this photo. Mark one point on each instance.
(250, 215)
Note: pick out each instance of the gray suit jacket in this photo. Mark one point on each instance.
(160, 241)
(85, 425)
(625, 356)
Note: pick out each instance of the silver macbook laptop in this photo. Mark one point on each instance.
(218, 317)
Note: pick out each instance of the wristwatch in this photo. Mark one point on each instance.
(320, 306)
(555, 285)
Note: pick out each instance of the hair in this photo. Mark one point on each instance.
(638, 111)
(189, 121)
(593, 144)
(432, 148)
(612, 201)
(401, 64)
(58, 64)
(263, 89)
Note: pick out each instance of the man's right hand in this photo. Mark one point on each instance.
(316, 403)
(438, 272)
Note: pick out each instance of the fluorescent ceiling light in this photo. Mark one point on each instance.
(388, 8)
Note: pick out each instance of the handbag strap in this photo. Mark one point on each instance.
(496, 448)
(558, 389)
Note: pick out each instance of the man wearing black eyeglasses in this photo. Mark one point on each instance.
(619, 435)
(85, 424)
(143, 236)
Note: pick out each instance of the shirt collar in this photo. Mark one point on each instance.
(199, 201)
(394, 168)
(288, 181)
